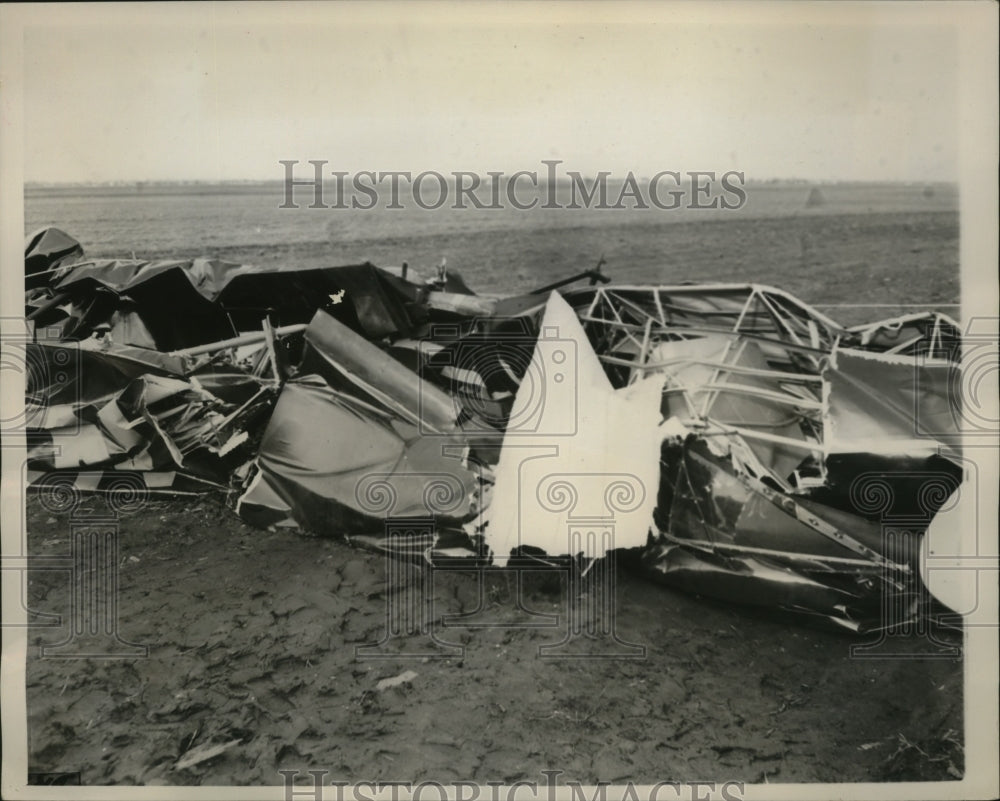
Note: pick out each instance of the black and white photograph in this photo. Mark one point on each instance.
(493, 401)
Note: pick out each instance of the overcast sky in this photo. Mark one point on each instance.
(225, 91)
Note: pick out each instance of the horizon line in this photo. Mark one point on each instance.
(153, 182)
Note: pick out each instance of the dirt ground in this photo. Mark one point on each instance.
(252, 635)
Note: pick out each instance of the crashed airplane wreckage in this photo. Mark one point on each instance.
(747, 446)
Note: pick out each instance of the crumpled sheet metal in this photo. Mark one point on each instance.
(337, 352)
(929, 334)
(723, 534)
(734, 409)
(762, 389)
(47, 250)
(338, 470)
(758, 580)
(882, 403)
(729, 382)
(139, 301)
(345, 448)
(91, 409)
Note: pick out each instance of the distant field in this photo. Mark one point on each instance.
(116, 219)
(888, 244)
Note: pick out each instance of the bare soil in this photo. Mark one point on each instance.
(252, 635)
